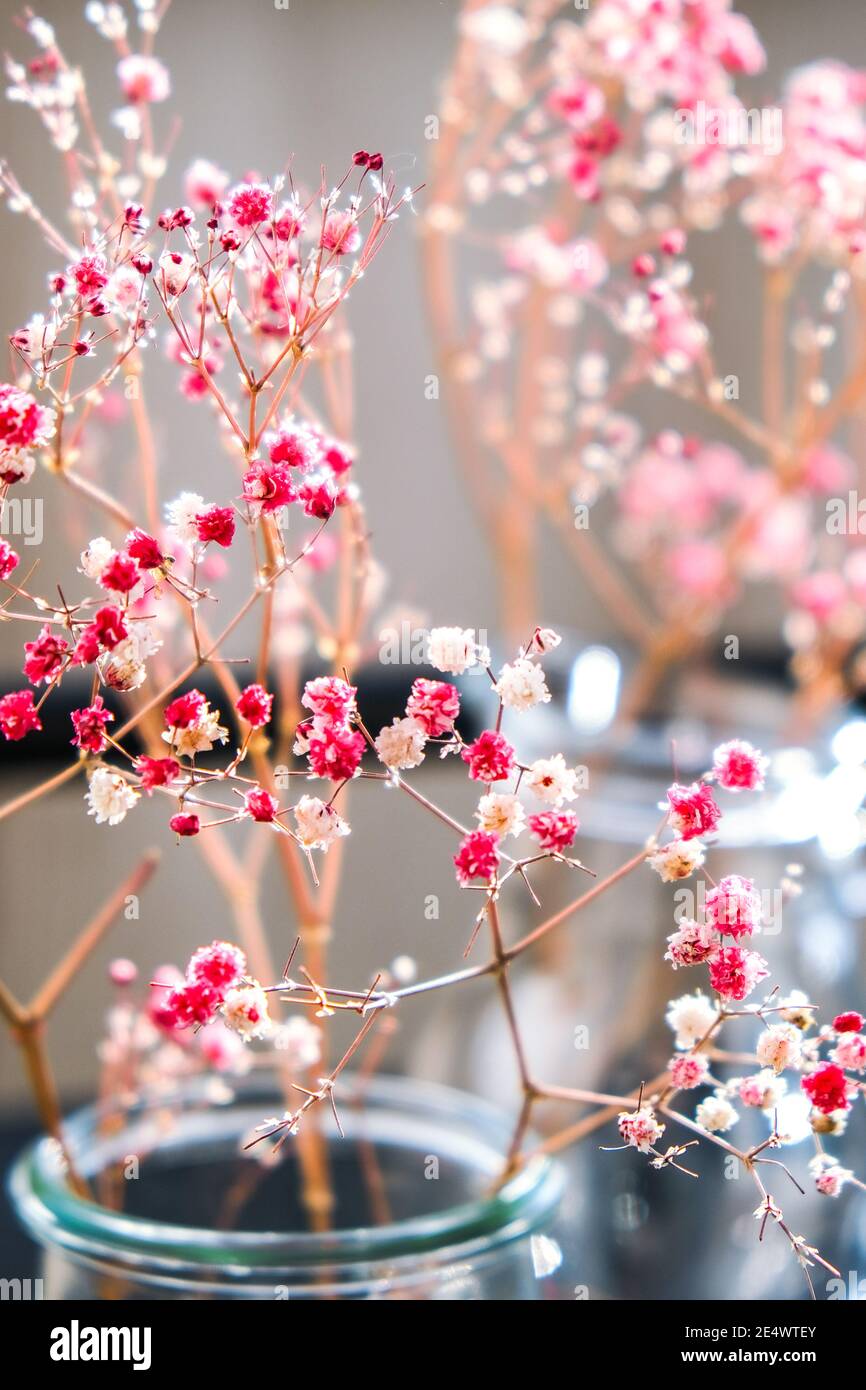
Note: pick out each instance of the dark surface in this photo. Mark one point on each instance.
(19, 1257)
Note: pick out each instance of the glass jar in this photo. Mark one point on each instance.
(417, 1214)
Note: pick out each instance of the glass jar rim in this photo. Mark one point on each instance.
(56, 1216)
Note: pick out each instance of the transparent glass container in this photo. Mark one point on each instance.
(417, 1213)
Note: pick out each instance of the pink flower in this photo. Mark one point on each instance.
(691, 944)
(196, 1001)
(17, 715)
(185, 824)
(734, 906)
(216, 524)
(490, 757)
(850, 1052)
(340, 234)
(330, 698)
(477, 857)
(435, 705)
(735, 972)
(44, 657)
(688, 1070)
(640, 1129)
(693, 810)
(90, 275)
(106, 631)
(183, 712)
(143, 78)
(156, 772)
(120, 575)
(737, 766)
(319, 499)
(90, 724)
(250, 204)
(254, 705)
(144, 550)
(8, 560)
(220, 965)
(554, 830)
(268, 486)
(204, 184)
(850, 1022)
(260, 805)
(827, 1088)
(334, 751)
(296, 446)
(24, 423)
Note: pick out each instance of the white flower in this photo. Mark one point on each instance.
(318, 825)
(300, 1040)
(401, 744)
(181, 514)
(677, 860)
(501, 813)
(829, 1177)
(123, 668)
(779, 1046)
(551, 780)
(716, 1114)
(245, 1009)
(199, 737)
(109, 796)
(124, 288)
(544, 639)
(690, 1016)
(452, 649)
(522, 685)
(176, 268)
(96, 557)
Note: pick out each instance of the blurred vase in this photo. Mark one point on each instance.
(416, 1214)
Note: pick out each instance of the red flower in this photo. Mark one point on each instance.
(194, 1002)
(185, 710)
(44, 657)
(435, 704)
(185, 824)
(220, 965)
(17, 715)
(156, 772)
(329, 697)
(554, 830)
(89, 725)
(216, 524)
(261, 805)
(106, 631)
(335, 751)
(735, 972)
(144, 549)
(490, 757)
(693, 810)
(23, 422)
(254, 705)
(251, 203)
(319, 499)
(827, 1088)
(8, 560)
(477, 857)
(850, 1022)
(91, 275)
(120, 574)
(734, 906)
(269, 486)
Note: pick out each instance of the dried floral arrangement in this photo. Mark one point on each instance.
(609, 140)
(255, 275)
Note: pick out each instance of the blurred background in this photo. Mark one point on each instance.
(255, 84)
